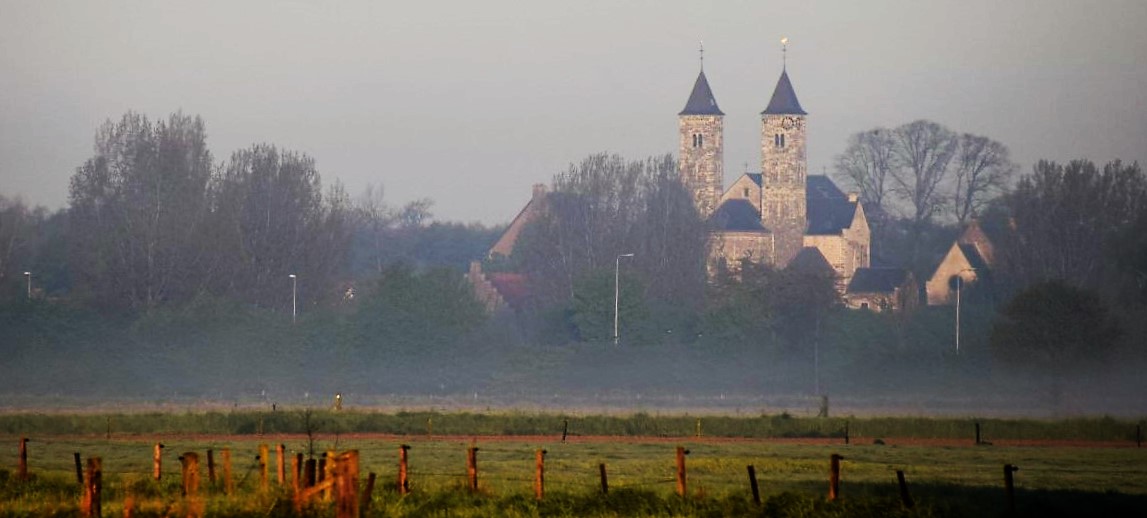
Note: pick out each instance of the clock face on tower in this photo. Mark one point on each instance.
(790, 123)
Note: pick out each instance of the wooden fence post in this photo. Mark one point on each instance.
(280, 457)
(79, 469)
(604, 479)
(904, 497)
(978, 434)
(345, 473)
(157, 461)
(834, 477)
(539, 474)
(228, 487)
(309, 471)
(297, 469)
(846, 438)
(472, 467)
(190, 469)
(753, 485)
(22, 467)
(403, 474)
(328, 468)
(1009, 487)
(698, 428)
(211, 467)
(264, 452)
(367, 493)
(90, 507)
(565, 429)
(681, 489)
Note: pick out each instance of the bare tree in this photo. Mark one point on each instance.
(923, 151)
(373, 217)
(982, 169)
(867, 164)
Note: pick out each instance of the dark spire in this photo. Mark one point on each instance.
(784, 101)
(701, 101)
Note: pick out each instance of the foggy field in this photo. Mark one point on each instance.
(958, 479)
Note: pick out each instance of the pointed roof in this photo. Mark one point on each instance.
(701, 101)
(784, 101)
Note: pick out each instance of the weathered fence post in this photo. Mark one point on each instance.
(565, 429)
(429, 426)
(472, 467)
(264, 452)
(1009, 487)
(211, 467)
(309, 471)
(753, 485)
(681, 488)
(296, 467)
(90, 507)
(978, 442)
(604, 479)
(904, 497)
(79, 469)
(539, 474)
(190, 469)
(403, 480)
(157, 461)
(228, 487)
(698, 428)
(344, 470)
(364, 506)
(328, 469)
(280, 458)
(22, 467)
(846, 433)
(834, 477)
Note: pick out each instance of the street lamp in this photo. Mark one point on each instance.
(294, 297)
(617, 294)
(959, 286)
(29, 276)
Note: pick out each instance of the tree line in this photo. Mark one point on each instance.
(153, 219)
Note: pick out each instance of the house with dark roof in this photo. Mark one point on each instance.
(882, 290)
(968, 261)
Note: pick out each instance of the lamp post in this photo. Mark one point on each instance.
(29, 276)
(294, 297)
(617, 294)
(959, 287)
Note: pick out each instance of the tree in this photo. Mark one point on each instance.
(273, 221)
(982, 169)
(1068, 221)
(1053, 329)
(923, 151)
(137, 211)
(867, 164)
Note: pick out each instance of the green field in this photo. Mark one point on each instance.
(958, 479)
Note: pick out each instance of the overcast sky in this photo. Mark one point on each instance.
(471, 102)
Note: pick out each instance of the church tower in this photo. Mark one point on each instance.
(701, 158)
(783, 171)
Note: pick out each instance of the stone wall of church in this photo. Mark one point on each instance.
(783, 169)
(701, 159)
(731, 247)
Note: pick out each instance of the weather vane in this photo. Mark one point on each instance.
(701, 51)
(784, 51)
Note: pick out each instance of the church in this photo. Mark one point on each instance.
(779, 216)
(780, 213)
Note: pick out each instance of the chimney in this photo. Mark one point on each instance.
(853, 197)
(539, 191)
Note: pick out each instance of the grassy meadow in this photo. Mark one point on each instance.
(955, 478)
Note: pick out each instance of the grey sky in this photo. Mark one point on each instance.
(469, 103)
